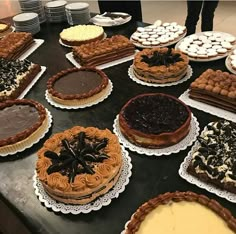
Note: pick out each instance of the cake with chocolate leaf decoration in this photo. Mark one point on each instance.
(79, 164)
(160, 65)
(154, 120)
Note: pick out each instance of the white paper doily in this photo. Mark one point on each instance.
(134, 78)
(228, 65)
(206, 107)
(61, 106)
(70, 57)
(69, 46)
(182, 145)
(34, 141)
(32, 48)
(194, 180)
(103, 200)
(31, 84)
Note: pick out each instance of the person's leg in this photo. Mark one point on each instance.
(110, 6)
(208, 15)
(134, 9)
(193, 11)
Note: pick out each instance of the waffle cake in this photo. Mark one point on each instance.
(14, 44)
(216, 88)
(160, 65)
(80, 164)
(213, 159)
(100, 52)
(15, 76)
(181, 213)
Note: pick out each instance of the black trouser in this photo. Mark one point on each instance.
(194, 8)
(131, 7)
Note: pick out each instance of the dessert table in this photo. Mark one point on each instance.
(151, 175)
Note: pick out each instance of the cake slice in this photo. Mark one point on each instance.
(15, 76)
(100, 52)
(216, 88)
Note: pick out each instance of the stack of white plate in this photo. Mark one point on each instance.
(27, 22)
(77, 13)
(55, 11)
(33, 6)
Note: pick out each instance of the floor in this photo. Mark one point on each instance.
(167, 11)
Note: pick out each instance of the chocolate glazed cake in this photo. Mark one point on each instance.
(154, 120)
(181, 213)
(77, 86)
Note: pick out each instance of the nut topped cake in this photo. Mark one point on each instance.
(81, 34)
(104, 51)
(214, 160)
(160, 65)
(21, 122)
(181, 213)
(15, 76)
(14, 44)
(76, 86)
(154, 120)
(216, 88)
(79, 164)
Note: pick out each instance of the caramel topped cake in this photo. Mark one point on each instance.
(76, 86)
(181, 213)
(21, 121)
(81, 34)
(216, 88)
(214, 160)
(4, 26)
(160, 65)
(15, 75)
(14, 44)
(100, 52)
(79, 164)
(154, 120)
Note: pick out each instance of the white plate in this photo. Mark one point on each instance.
(32, 48)
(194, 180)
(134, 78)
(77, 6)
(31, 84)
(182, 145)
(70, 57)
(69, 46)
(56, 4)
(206, 107)
(34, 139)
(110, 23)
(206, 59)
(228, 64)
(61, 106)
(97, 204)
(25, 17)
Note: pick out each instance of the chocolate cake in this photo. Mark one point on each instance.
(100, 52)
(154, 120)
(181, 213)
(213, 160)
(76, 86)
(14, 44)
(160, 65)
(79, 164)
(15, 76)
(216, 88)
(20, 122)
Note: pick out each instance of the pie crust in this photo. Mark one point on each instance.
(141, 114)
(170, 65)
(24, 136)
(85, 187)
(80, 98)
(167, 199)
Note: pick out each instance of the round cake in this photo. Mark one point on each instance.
(160, 65)
(154, 120)
(79, 164)
(181, 213)
(4, 26)
(81, 34)
(21, 122)
(77, 86)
